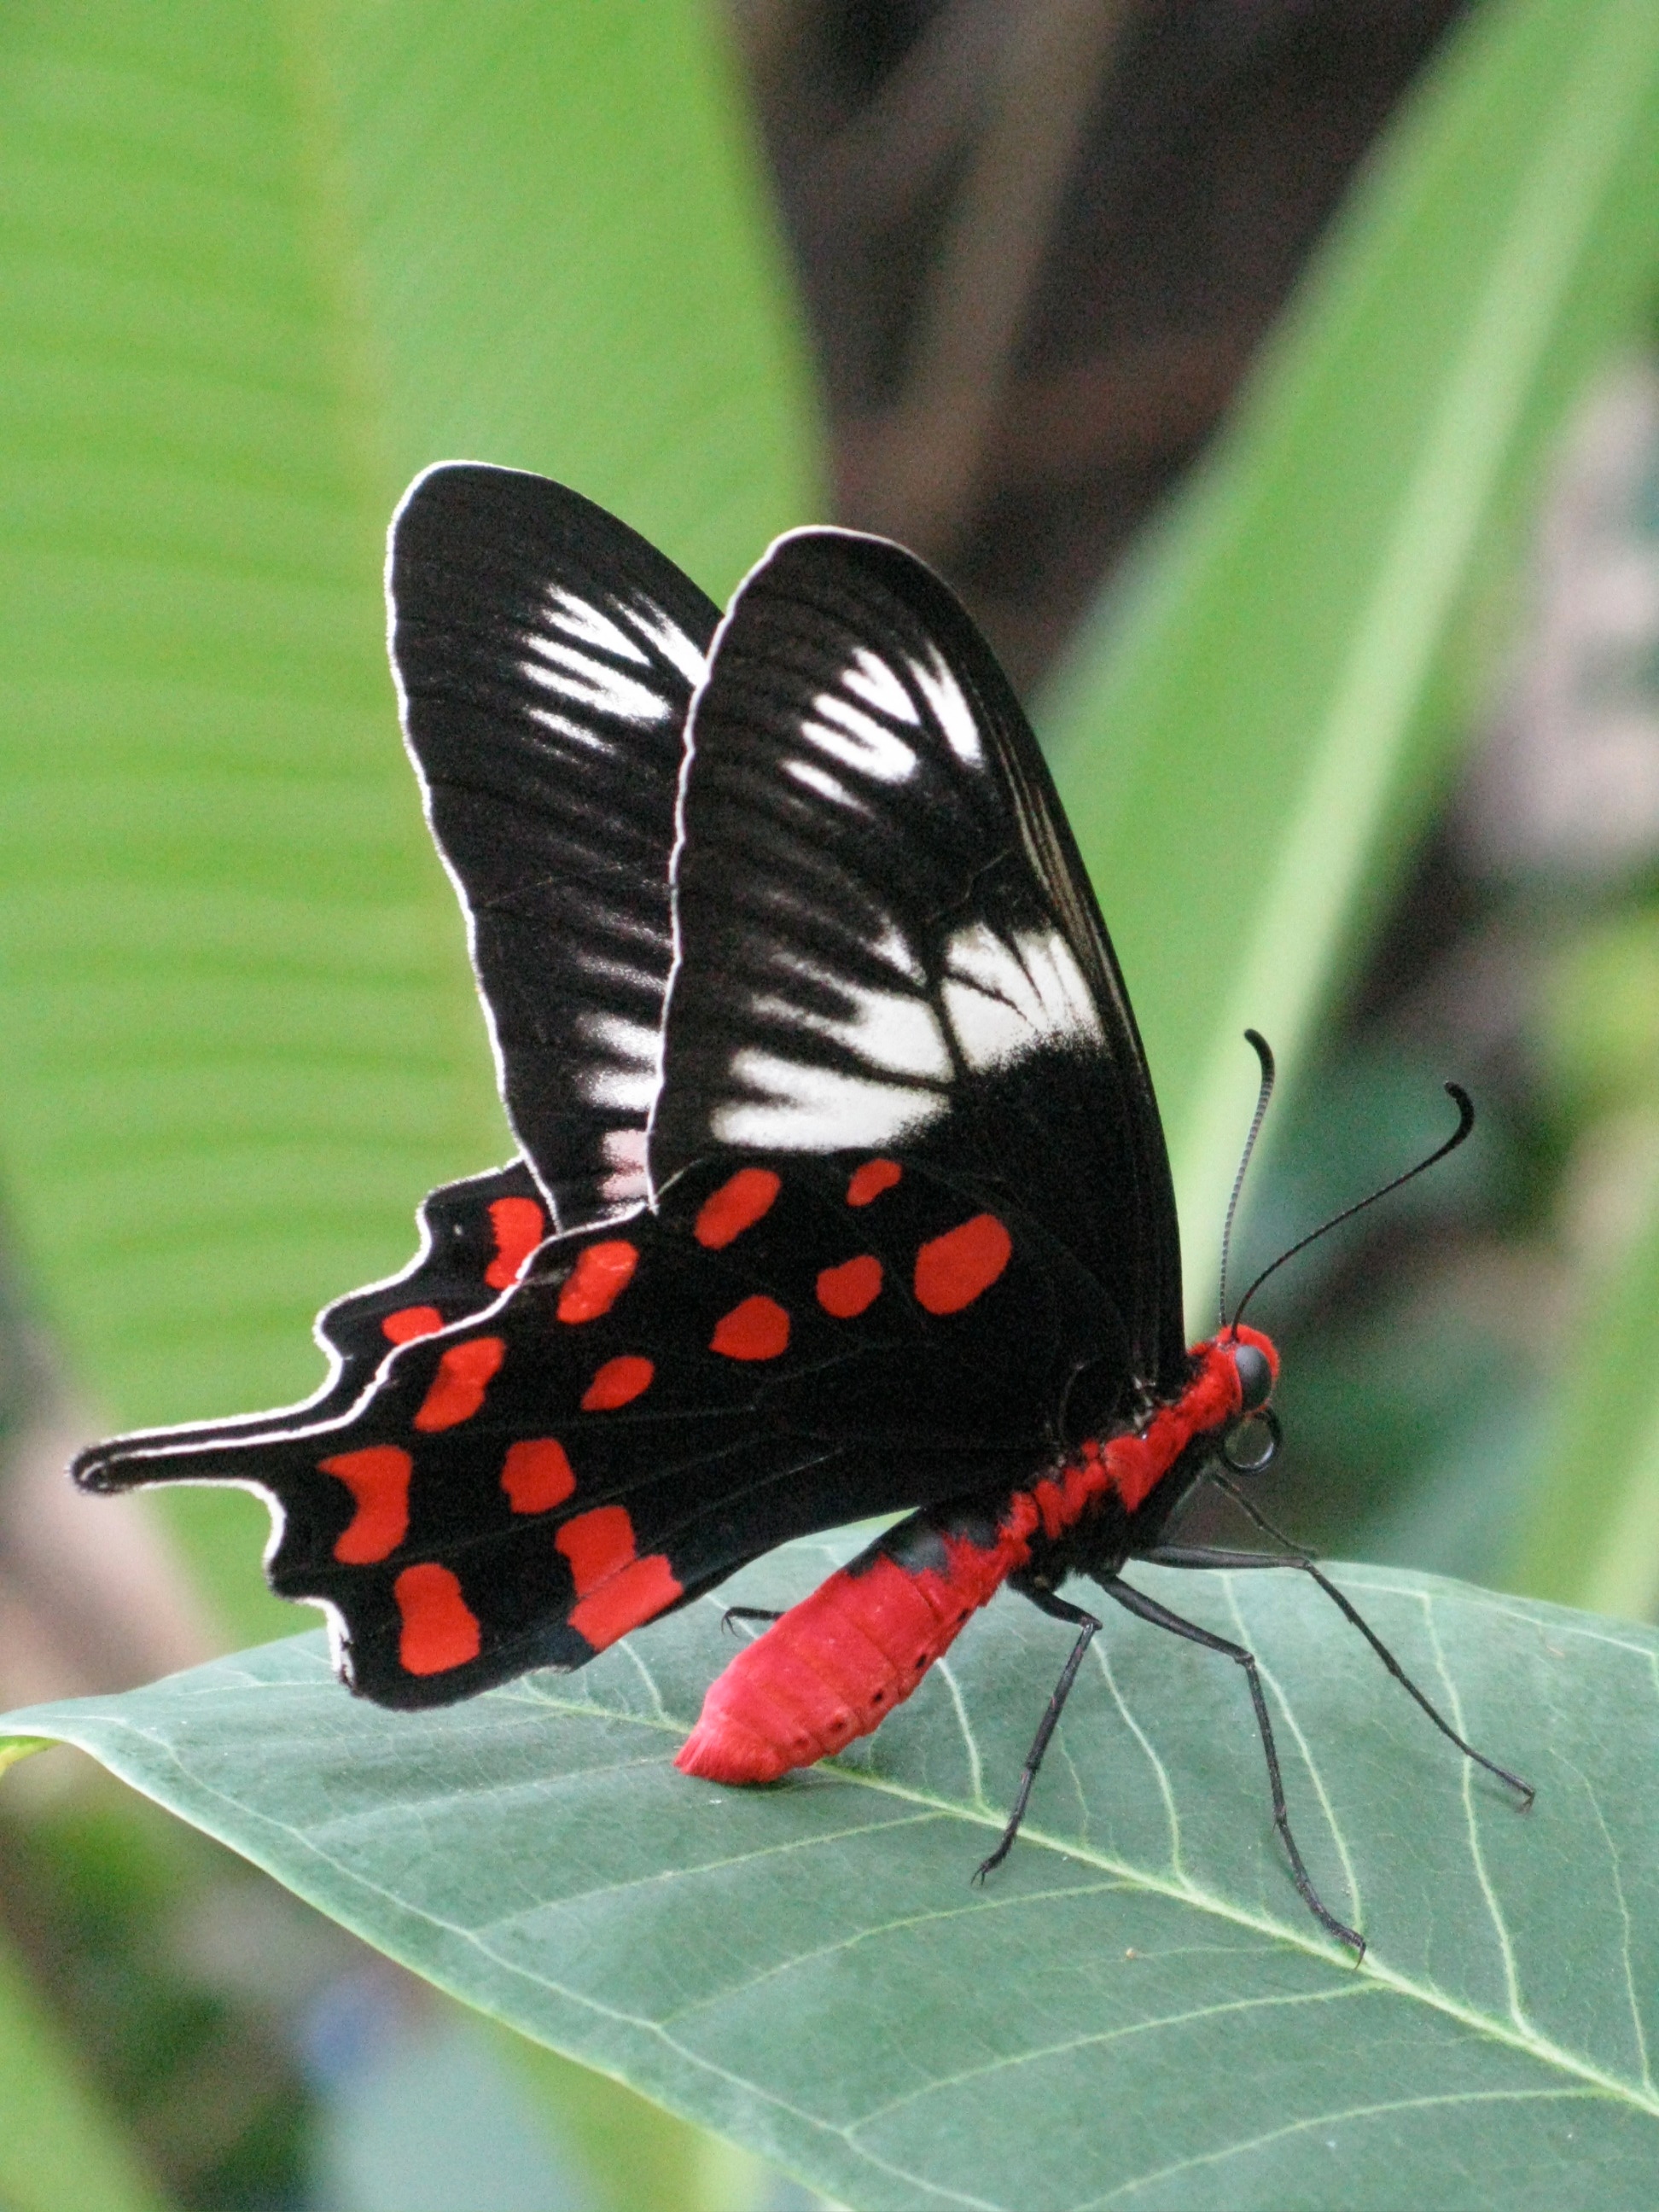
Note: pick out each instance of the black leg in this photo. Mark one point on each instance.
(1087, 1628)
(1148, 1609)
(747, 1613)
(1180, 1555)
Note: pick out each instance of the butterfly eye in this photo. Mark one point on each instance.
(1251, 1445)
(1255, 1376)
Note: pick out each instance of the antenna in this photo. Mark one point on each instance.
(1263, 1052)
(1465, 1106)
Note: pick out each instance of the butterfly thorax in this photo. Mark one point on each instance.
(832, 1667)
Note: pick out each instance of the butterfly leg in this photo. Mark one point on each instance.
(1182, 1555)
(1087, 1628)
(1148, 1609)
(748, 1613)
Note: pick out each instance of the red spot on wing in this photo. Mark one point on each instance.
(736, 1206)
(519, 1227)
(440, 1629)
(615, 1591)
(537, 1474)
(757, 1329)
(953, 1270)
(850, 1288)
(411, 1322)
(870, 1181)
(458, 1389)
(618, 1383)
(638, 1594)
(603, 1272)
(378, 1478)
(597, 1544)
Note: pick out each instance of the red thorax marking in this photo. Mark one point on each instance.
(440, 1629)
(378, 1478)
(519, 1229)
(738, 1205)
(537, 1474)
(849, 1288)
(458, 1389)
(615, 1591)
(618, 1383)
(870, 1181)
(953, 1270)
(411, 1322)
(836, 1664)
(757, 1329)
(603, 1272)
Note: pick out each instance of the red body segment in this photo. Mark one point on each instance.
(835, 1665)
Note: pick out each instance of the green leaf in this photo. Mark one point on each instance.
(1137, 2011)
(59, 2149)
(258, 264)
(1255, 725)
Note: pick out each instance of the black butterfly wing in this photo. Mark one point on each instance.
(893, 1014)
(885, 936)
(476, 1236)
(659, 1400)
(546, 657)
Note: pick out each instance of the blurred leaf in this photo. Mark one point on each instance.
(14, 1747)
(1257, 723)
(1598, 1016)
(635, 2156)
(1593, 1536)
(58, 2149)
(258, 264)
(1138, 2008)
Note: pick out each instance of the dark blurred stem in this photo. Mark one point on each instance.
(1047, 81)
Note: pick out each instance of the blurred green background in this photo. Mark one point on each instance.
(1276, 384)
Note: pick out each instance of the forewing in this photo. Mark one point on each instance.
(545, 657)
(885, 935)
(776, 1351)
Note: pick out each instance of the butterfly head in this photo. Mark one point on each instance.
(1251, 1442)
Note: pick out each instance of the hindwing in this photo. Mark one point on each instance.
(774, 1351)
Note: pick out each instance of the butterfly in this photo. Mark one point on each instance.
(842, 1190)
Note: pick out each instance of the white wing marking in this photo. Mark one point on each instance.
(871, 679)
(580, 619)
(817, 1109)
(858, 741)
(1005, 1001)
(940, 688)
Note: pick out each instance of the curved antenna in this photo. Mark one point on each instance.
(1465, 1122)
(1263, 1052)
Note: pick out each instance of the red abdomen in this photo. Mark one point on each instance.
(834, 1666)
